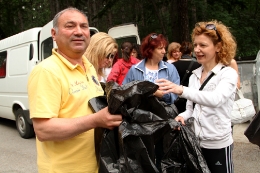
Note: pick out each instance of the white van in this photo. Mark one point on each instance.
(18, 56)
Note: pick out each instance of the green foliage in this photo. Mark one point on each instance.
(161, 16)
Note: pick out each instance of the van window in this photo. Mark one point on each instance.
(3, 56)
(46, 47)
(18, 58)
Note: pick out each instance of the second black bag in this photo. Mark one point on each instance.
(253, 130)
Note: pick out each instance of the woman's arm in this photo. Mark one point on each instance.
(233, 64)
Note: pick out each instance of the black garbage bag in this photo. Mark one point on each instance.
(130, 147)
(253, 130)
(184, 152)
(96, 104)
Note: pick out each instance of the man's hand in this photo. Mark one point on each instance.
(106, 120)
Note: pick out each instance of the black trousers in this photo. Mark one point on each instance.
(218, 160)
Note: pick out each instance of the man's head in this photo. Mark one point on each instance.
(71, 32)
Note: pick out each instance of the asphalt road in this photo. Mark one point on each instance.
(246, 155)
(18, 155)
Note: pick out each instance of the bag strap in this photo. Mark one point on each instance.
(206, 81)
(187, 72)
(239, 93)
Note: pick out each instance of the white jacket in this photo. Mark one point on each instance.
(212, 123)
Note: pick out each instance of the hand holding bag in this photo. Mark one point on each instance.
(243, 109)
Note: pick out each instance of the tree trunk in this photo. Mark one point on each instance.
(193, 13)
(158, 14)
(57, 9)
(52, 9)
(174, 18)
(20, 16)
(184, 20)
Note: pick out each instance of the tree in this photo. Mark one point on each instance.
(174, 18)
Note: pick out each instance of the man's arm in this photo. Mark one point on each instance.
(57, 129)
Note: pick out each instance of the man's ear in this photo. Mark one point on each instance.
(53, 34)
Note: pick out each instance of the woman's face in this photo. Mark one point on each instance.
(107, 61)
(158, 53)
(134, 53)
(205, 50)
(176, 54)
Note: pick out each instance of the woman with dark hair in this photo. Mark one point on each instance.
(121, 67)
(136, 51)
(185, 66)
(186, 50)
(151, 68)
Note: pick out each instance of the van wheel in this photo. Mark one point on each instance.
(24, 128)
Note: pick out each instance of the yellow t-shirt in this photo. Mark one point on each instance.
(59, 89)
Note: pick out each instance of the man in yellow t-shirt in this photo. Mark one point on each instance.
(59, 90)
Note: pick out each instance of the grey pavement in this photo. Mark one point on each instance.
(18, 155)
(246, 156)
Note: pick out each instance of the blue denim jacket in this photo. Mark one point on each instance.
(166, 71)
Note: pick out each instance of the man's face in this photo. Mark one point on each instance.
(72, 35)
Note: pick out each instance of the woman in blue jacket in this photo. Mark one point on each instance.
(152, 67)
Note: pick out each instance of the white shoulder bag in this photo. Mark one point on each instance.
(243, 109)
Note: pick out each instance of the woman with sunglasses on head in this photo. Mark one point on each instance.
(151, 68)
(214, 47)
(100, 53)
(121, 67)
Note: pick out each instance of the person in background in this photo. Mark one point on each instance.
(100, 53)
(59, 89)
(121, 67)
(233, 64)
(151, 68)
(186, 50)
(182, 67)
(214, 47)
(173, 53)
(136, 51)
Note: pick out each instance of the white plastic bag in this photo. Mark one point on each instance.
(243, 109)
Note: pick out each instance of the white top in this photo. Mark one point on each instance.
(170, 61)
(107, 72)
(214, 104)
(151, 75)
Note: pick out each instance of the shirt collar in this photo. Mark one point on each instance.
(86, 62)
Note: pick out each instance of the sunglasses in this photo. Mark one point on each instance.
(110, 56)
(153, 36)
(213, 27)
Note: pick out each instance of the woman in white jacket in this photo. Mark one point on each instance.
(214, 47)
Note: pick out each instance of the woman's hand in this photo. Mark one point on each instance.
(159, 93)
(167, 86)
(179, 119)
